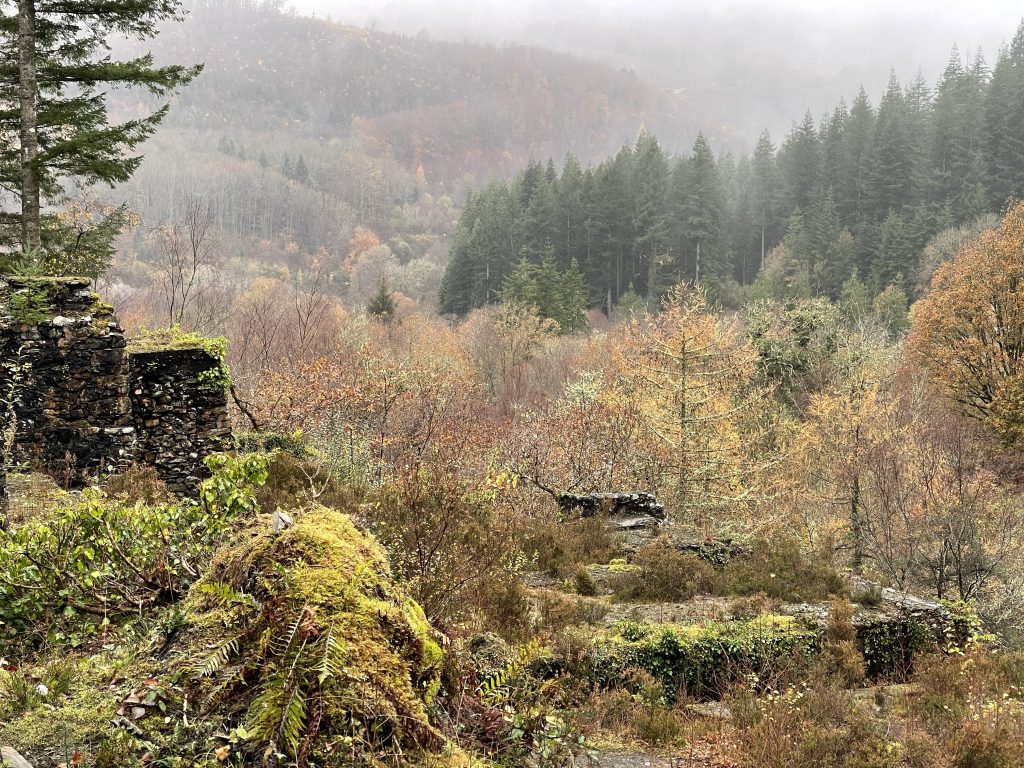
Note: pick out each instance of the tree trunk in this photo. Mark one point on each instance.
(762, 246)
(857, 526)
(28, 90)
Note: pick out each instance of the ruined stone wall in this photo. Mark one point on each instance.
(73, 412)
(180, 412)
(86, 405)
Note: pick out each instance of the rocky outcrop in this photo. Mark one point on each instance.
(85, 404)
(717, 552)
(624, 511)
(635, 518)
(894, 627)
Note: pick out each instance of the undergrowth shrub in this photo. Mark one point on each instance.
(815, 726)
(662, 573)
(558, 547)
(697, 661)
(101, 559)
(583, 582)
(502, 604)
(138, 483)
(293, 481)
(840, 653)
(444, 539)
(780, 570)
(559, 611)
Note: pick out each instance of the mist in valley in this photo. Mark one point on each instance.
(742, 66)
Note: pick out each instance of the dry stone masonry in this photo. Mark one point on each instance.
(84, 402)
(180, 416)
(621, 510)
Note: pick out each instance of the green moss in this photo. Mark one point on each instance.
(619, 565)
(79, 719)
(77, 724)
(33, 300)
(325, 580)
(700, 660)
(175, 338)
(32, 304)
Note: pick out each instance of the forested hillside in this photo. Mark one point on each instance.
(277, 84)
(860, 193)
(300, 131)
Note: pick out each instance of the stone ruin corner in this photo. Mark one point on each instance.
(90, 401)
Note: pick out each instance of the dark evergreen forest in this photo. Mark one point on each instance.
(859, 193)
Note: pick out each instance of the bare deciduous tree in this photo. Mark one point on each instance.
(188, 265)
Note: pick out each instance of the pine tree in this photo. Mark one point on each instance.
(54, 122)
(851, 187)
(890, 167)
(765, 195)
(608, 269)
(703, 246)
(382, 304)
(1004, 124)
(956, 159)
(301, 172)
(895, 256)
(455, 295)
(800, 164)
(830, 246)
(570, 226)
(650, 207)
(554, 294)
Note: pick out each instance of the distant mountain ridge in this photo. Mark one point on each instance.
(452, 108)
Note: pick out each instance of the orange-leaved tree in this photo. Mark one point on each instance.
(968, 330)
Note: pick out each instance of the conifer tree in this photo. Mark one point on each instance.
(570, 225)
(765, 194)
(382, 304)
(1004, 124)
(53, 113)
(651, 224)
(703, 246)
(852, 196)
(800, 164)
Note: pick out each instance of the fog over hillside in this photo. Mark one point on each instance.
(741, 66)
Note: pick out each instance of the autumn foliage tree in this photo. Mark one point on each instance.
(968, 330)
(692, 373)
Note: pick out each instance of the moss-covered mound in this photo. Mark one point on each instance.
(330, 649)
(295, 648)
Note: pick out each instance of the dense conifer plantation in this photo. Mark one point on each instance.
(859, 193)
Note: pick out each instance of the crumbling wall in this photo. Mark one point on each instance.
(180, 411)
(624, 510)
(85, 404)
(72, 408)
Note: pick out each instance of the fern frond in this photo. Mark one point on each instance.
(217, 660)
(280, 645)
(224, 594)
(293, 719)
(332, 658)
(496, 688)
